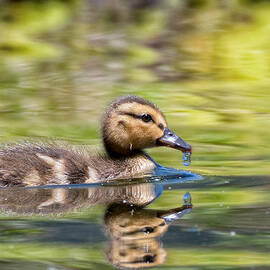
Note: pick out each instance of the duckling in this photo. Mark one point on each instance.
(130, 125)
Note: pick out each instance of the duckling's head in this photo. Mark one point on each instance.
(132, 124)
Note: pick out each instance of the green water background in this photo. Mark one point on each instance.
(206, 64)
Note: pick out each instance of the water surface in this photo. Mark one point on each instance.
(206, 65)
(125, 225)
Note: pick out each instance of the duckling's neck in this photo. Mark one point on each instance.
(121, 153)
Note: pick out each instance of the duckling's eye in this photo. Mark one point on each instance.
(146, 117)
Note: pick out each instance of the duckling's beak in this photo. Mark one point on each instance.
(170, 139)
(174, 214)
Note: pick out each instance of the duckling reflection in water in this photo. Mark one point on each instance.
(63, 200)
(130, 125)
(135, 233)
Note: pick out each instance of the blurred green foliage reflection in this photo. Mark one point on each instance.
(205, 63)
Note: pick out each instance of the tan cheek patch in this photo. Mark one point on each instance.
(157, 132)
(146, 136)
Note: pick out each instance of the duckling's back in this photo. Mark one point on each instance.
(32, 165)
(52, 164)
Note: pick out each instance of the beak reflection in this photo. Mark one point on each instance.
(176, 213)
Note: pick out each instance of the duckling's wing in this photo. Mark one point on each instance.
(32, 164)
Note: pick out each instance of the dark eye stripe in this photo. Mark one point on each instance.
(131, 114)
(136, 116)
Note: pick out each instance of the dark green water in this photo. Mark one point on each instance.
(206, 65)
(97, 226)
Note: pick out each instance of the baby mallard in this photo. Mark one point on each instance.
(130, 125)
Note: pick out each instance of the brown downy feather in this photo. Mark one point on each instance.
(33, 164)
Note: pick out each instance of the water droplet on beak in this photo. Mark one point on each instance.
(186, 158)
